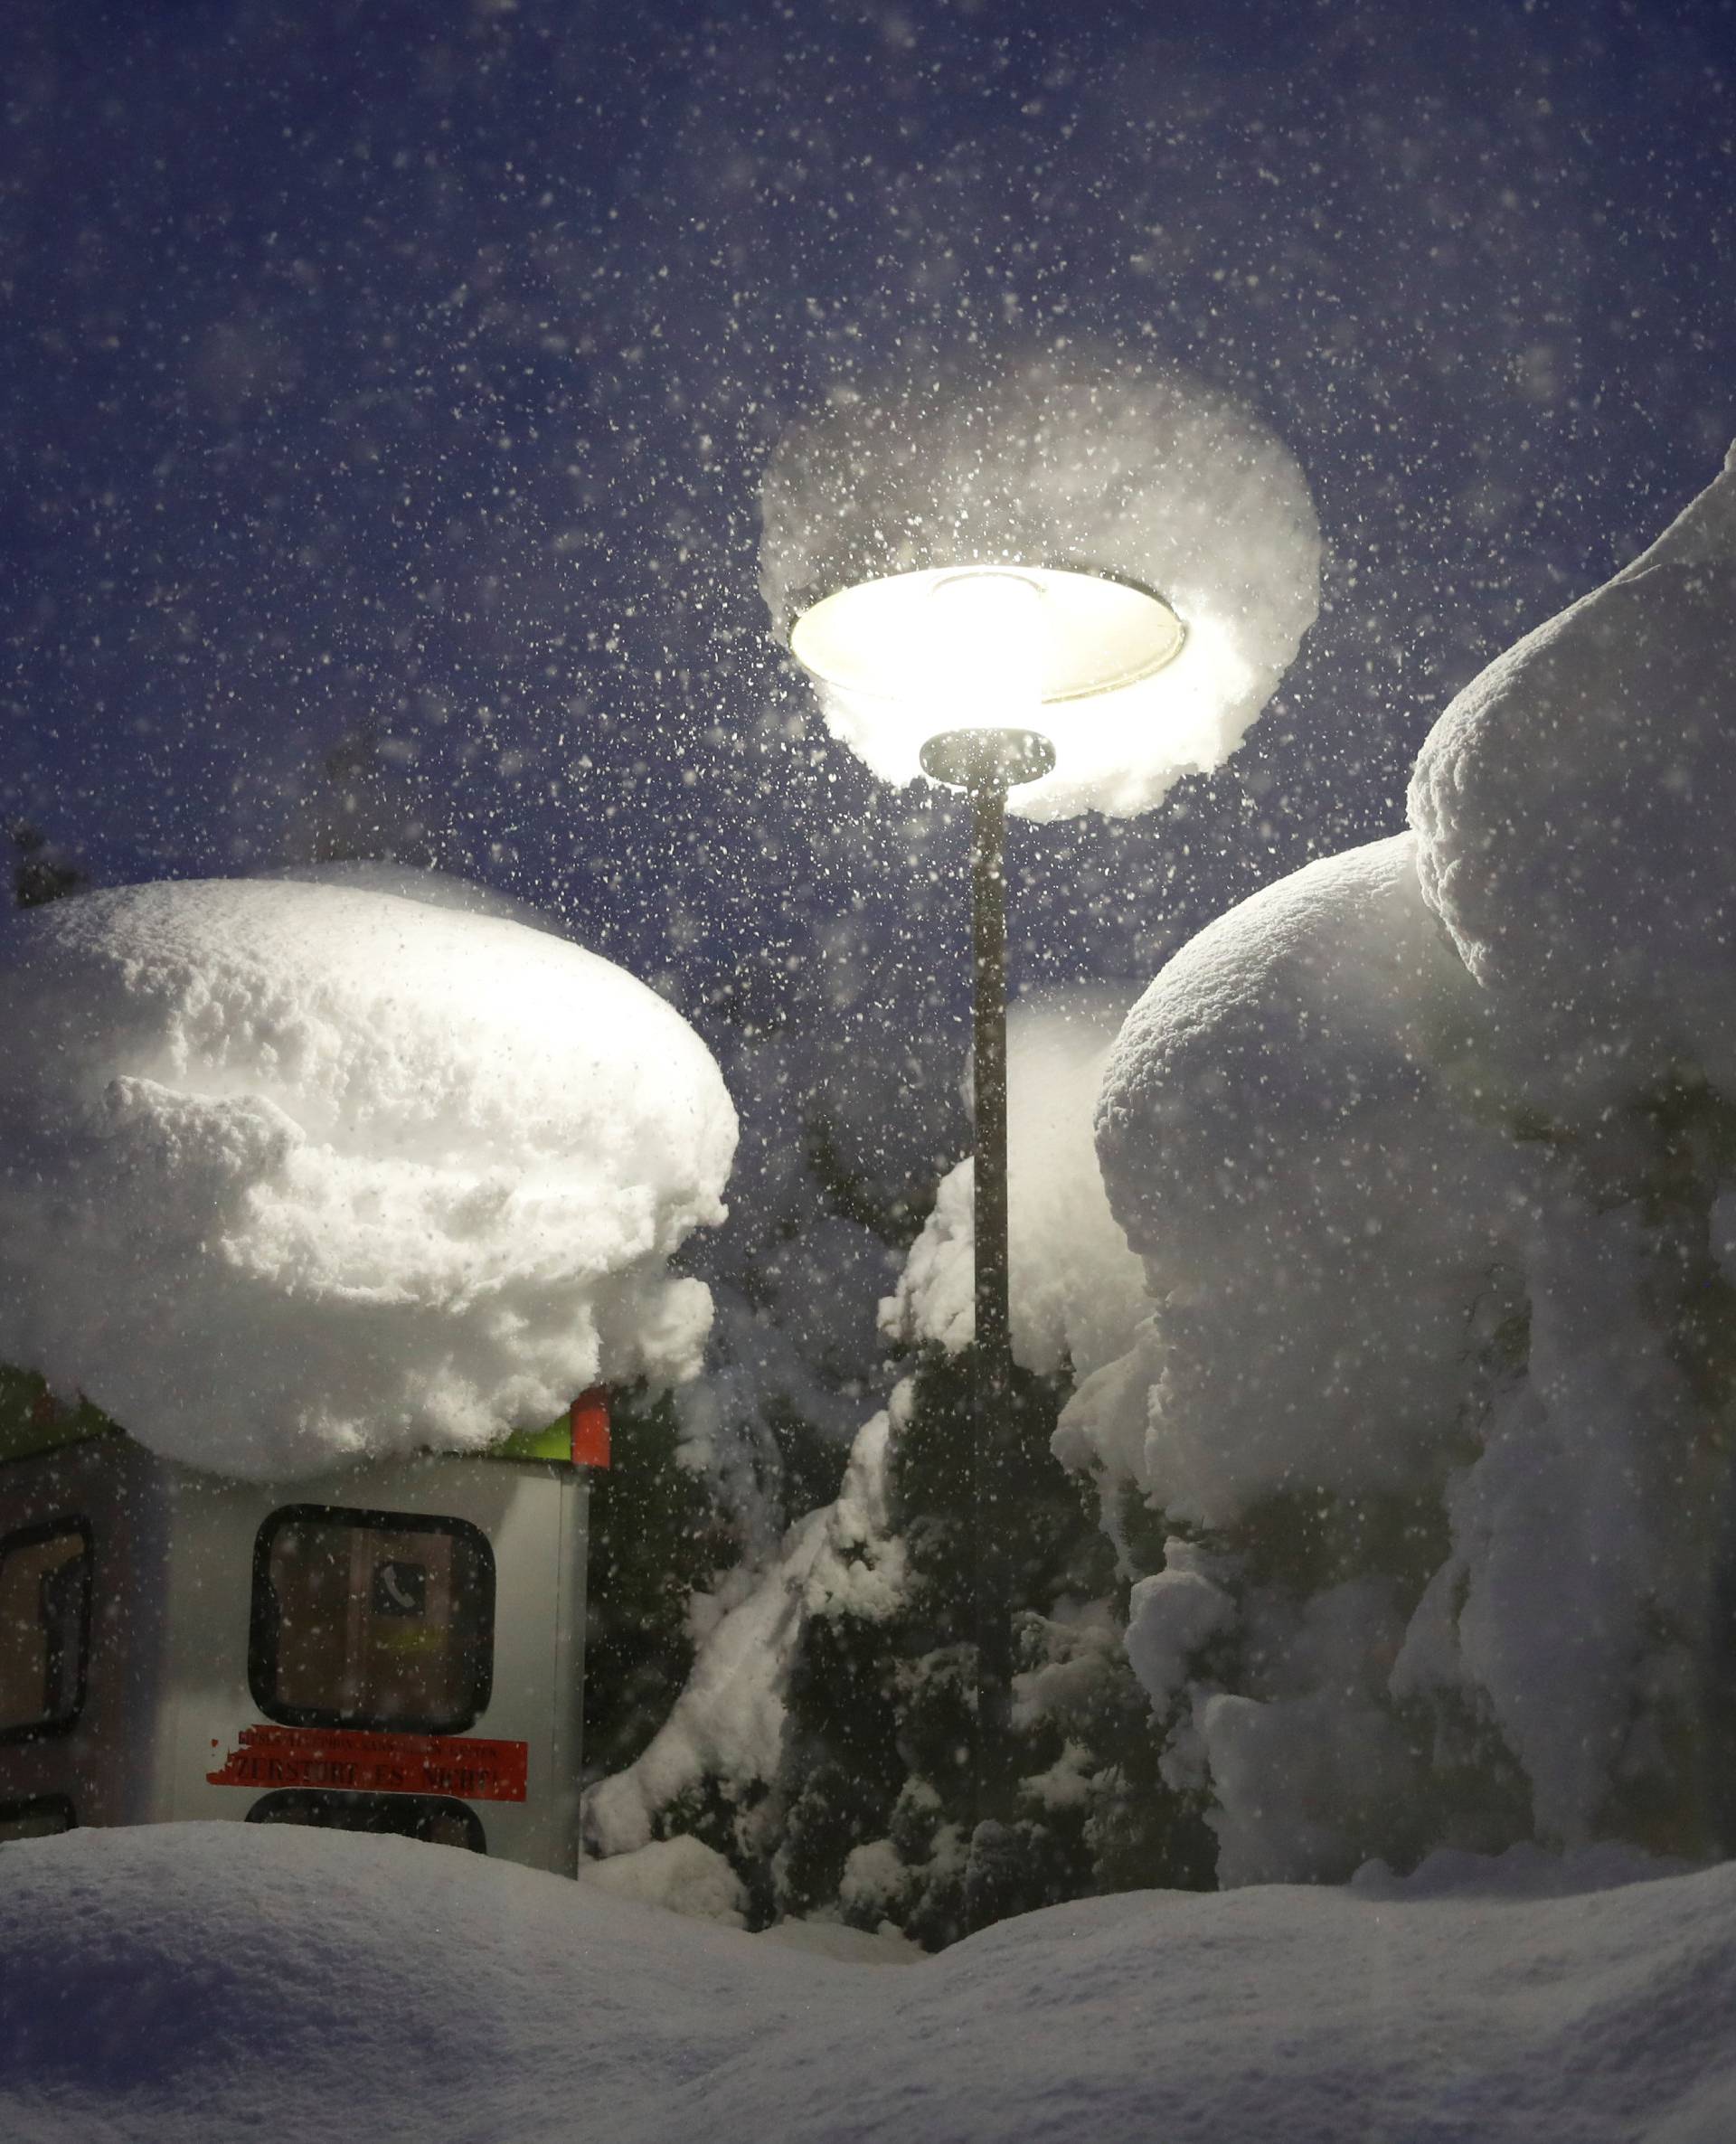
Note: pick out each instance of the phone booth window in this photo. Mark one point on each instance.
(44, 1628)
(434, 1817)
(44, 1815)
(372, 1619)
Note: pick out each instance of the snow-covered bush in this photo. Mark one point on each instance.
(1285, 1146)
(291, 1171)
(661, 1542)
(822, 1740)
(683, 1875)
(1427, 1151)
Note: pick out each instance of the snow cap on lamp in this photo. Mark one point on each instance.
(1109, 479)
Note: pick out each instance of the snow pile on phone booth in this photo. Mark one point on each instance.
(169, 1984)
(1430, 1154)
(294, 1172)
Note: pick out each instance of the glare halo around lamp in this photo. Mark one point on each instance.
(1104, 482)
(994, 582)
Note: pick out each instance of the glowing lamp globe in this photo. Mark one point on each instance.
(988, 659)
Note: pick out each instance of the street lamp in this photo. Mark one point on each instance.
(996, 654)
(1062, 582)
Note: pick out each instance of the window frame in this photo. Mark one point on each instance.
(73, 1523)
(262, 1622)
(32, 1805)
(264, 1811)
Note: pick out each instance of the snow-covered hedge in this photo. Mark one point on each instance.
(1429, 1152)
(293, 1172)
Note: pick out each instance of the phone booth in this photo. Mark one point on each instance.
(396, 1645)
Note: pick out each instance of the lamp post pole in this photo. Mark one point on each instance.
(985, 639)
(992, 1376)
(984, 764)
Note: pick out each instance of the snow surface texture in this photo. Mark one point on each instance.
(1383, 1301)
(1076, 1291)
(1573, 811)
(295, 1172)
(1071, 460)
(165, 1985)
(683, 1875)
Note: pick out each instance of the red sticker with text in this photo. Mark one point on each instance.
(353, 1761)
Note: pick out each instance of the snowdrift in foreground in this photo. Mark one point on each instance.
(167, 1984)
(292, 1172)
(1075, 1288)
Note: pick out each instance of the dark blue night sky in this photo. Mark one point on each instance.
(400, 371)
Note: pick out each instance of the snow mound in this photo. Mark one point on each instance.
(1287, 1134)
(295, 1172)
(412, 881)
(166, 1984)
(1573, 808)
(1075, 459)
(1076, 1291)
(683, 1875)
(1524, 1871)
(849, 1946)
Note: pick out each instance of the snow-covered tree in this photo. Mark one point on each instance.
(826, 1744)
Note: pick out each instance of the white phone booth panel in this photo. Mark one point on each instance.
(394, 1646)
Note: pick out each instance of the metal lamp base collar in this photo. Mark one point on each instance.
(988, 759)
